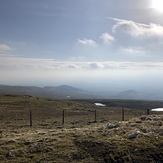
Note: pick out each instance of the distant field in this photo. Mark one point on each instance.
(15, 109)
(132, 104)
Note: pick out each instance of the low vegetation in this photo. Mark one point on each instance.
(80, 139)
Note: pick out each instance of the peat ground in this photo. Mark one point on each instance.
(80, 139)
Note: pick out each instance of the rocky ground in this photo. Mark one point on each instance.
(137, 140)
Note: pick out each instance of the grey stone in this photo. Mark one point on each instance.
(132, 136)
(110, 126)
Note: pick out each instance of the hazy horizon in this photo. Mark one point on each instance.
(98, 88)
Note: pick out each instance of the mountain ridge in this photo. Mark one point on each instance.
(62, 91)
(70, 92)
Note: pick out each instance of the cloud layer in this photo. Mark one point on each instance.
(15, 63)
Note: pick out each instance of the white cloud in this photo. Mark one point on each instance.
(96, 65)
(4, 47)
(138, 39)
(133, 50)
(107, 38)
(138, 29)
(132, 65)
(87, 42)
(73, 66)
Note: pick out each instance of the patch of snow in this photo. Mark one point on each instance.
(99, 104)
(157, 109)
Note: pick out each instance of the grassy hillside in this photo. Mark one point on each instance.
(137, 139)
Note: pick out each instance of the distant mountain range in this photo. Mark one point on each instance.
(60, 92)
(69, 92)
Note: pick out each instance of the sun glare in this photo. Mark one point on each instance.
(158, 5)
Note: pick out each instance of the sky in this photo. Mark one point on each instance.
(97, 45)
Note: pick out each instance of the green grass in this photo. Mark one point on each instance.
(80, 139)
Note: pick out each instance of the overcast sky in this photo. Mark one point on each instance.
(90, 44)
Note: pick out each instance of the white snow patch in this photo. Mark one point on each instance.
(157, 109)
(99, 104)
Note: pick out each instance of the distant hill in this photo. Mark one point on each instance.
(69, 92)
(63, 91)
(130, 94)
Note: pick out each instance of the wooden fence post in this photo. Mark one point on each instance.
(30, 118)
(63, 117)
(95, 116)
(123, 114)
(147, 111)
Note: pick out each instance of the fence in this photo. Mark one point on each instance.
(73, 118)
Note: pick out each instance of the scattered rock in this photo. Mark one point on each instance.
(110, 126)
(35, 148)
(10, 154)
(49, 150)
(144, 130)
(132, 136)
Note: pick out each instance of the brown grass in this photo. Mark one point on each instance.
(79, 139)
